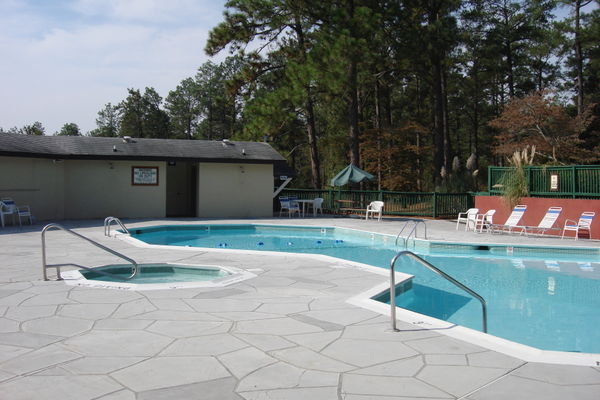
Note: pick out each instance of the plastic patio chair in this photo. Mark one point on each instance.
(318, 205)
(546, 224)
(7, 207)
(375, 207)
(288, 205)
(468, 218)
(584, 224)
(484, 221)
(512, 222)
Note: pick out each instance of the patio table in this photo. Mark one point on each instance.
(304, 203)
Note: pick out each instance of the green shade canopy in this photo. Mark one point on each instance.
(350, 174)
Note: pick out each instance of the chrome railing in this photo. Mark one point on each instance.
(415, 223)
(109, 220)
(45, 265)
(438, 271)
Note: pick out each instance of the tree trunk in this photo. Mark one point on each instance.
(578, 56)
(311, 126)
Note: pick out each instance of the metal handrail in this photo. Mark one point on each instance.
(438, 271)
(414, 229)
(45, 266)
(109, 220)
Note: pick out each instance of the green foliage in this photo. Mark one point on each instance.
(69, 129)
(141, 115)
(33, 129)
(108, 122)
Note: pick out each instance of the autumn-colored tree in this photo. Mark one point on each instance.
(536, 120)
(391, 155)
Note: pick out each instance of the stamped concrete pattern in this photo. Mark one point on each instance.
(286, 334)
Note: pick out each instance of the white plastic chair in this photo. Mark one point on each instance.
(484, 221)
(288, 205)
(24, 212)
(375, 207)
(318, 205)
(7, 207)
(468, 218)
(584, 224)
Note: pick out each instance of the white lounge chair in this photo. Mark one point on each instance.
(512, 222)
(468, 218)
(288, 205)
(484, 221)
(375, 207)
(584, 224)
(546, 224)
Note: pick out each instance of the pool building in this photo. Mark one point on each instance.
(78, 177)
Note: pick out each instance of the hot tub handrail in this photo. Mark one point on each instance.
(45, 265)
(109, 220)
(438, 271)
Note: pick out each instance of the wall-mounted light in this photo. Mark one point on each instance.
(111, 165)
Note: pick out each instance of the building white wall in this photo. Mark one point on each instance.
(97, 189)
(78, 189)
(36, 182)
(235, 190)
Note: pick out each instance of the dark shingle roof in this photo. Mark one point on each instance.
(84, 147)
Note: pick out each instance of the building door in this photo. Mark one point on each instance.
(181, 189)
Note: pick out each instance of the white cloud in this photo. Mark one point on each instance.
(65, 72)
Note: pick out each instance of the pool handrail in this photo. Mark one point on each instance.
(109, 220)
(45, 265)
(438, 271)
(413, 230)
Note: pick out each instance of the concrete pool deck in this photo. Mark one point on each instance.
(289, 333)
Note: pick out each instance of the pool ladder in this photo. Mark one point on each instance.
(438, 271)
(107, 223)
(45, 265)
(415, 223)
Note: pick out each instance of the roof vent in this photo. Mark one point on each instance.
(127, 139)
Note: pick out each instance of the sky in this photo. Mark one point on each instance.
(63, 60)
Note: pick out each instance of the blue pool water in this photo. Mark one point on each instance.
(549, 299)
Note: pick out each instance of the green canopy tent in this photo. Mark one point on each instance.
(350, 174)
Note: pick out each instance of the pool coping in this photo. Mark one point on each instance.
(365, 300)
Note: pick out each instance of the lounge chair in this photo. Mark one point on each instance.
(546, 224)
(512, 222)
(484, 221)
(375, 207)
(468, 218)
(584, 224)
(288, 205)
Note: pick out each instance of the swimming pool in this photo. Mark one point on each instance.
(545, 298)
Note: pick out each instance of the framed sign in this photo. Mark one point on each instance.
(554, 182)
(144, 176)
